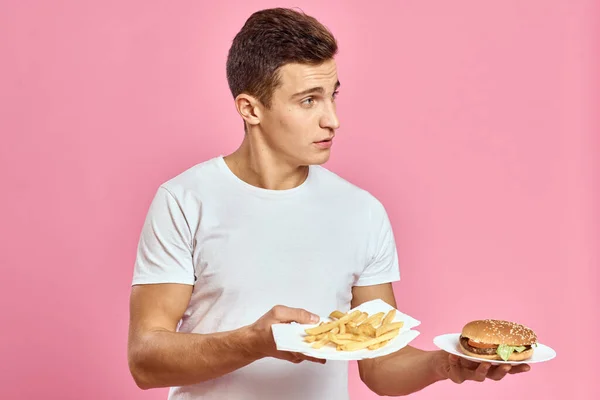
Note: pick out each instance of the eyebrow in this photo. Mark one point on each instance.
(318, 89)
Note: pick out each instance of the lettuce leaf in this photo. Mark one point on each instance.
(504, 351)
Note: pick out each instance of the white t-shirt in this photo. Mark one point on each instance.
(246, 249)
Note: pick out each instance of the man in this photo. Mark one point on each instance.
(267, 235)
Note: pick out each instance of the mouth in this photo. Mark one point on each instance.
(325, 143)
(325, 140)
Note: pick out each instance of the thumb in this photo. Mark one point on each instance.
(299, 315)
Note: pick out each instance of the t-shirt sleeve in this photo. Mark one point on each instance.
(382, 265)
(164, 253)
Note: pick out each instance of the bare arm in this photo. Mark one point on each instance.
(410, 369)
(161, 357)
(403, 372)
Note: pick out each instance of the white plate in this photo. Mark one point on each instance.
(290, 337)
(449, 343)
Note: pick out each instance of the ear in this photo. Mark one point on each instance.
(249, 108)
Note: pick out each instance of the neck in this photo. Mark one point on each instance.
(258, 165)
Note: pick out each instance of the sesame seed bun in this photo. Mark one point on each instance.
(491, 331)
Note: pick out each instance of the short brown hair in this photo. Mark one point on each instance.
(270, 39)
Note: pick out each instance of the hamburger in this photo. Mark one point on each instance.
(493, 339)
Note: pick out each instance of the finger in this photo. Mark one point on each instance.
(469, 364)
(463, 362)
(312, 359)
(297, 358)
(454, 369)
(498, 372)
(481, 372)
(299, 315)
(517, 369)
(291, 357)
(454, 359)
(454, 372)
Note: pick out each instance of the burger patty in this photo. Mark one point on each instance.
(465, 343)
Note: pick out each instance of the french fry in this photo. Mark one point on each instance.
(310, 338)
(363, 345)
(377, 320)
(314, 338)
(323, 328)
(367, 330)
(342, 342)
(326, 327)
(354, 331)
(360, 338)
(354, 315)
(378, 345)
(349, 336)
(372, 320)
(334, 339)
(389, 317)
(345, 336)
(388, 327)
(320, 343)
(363, 317)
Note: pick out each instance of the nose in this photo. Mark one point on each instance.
(330, 120)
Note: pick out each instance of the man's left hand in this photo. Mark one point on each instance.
(459, 369)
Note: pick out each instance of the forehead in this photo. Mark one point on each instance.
(299, 77)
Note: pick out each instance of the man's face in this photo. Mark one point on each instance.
(300, 125)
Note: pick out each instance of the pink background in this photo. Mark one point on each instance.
(472, 121)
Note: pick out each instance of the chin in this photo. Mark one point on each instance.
(318, 159)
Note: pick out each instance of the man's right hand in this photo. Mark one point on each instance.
(261, 330)
(159, 356)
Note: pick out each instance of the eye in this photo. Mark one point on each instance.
(308, 101)
(335, 94)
